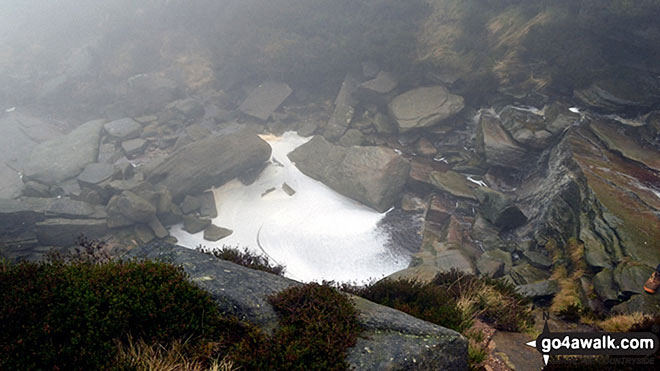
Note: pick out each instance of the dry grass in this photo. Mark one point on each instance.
(569, 266)
(139, 355)
(621, 322)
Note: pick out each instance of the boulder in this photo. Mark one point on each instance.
(128, 208)
(95, 174)
(374, 176)
(123, 129)
(352, 137)
(498, 147)
(494, 263)
(453, 183)
(192, 224)
(525, 273)
(377, 89)
(214, 233)
(644, 303)
(424, 107)
(189, 108)
(390, 339)
(209, 162)
(57, 160)
(629, 91)
(133, 147)
(605, 286)
(499, 209)
(33, 189)
(265, 99)
(109, 153)
(542, 289)
(558, 118)
(63, 232)
(526, 127)
(207, 206)
(630, 277)
(190, 204)
(538, 259)
(342, 116)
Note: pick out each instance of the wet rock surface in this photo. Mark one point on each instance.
(424, 107)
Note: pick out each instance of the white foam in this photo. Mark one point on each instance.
(317, 233)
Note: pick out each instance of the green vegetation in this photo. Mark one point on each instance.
(244, 258)
(85, 314)
(69, 315)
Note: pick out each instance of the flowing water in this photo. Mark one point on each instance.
(316, 233)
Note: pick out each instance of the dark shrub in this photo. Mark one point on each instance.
(317, 325)
(59, 315)
(244, 258)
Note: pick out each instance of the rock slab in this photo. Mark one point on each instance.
(209, 162)
(57, 160)
(424, 107)
(265, 99)
(374, 176)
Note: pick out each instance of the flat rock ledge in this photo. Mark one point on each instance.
(391, 340)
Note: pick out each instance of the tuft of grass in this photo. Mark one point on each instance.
(569, 267)
(245, 258)
(140, 355)
(621, 322)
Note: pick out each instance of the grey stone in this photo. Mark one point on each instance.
(485, 263)
(538, 259)
(123, 129)
(374, 176)
(214, 233)
(525, 273)
(192, 224)
(133, 147)
(63, 232)
(384, 124)
(453, 183)
(342, 116)
(352, 137)
(207, 206)
(376, 89)
(558, 118)
(68, 208)
(391, 339)
(424, 107)
(497, 145)
(539, 289)
(630, 277)
(95, 174)
(190, 108)
(453, 259)
(143, 234)
(288, 190)
(35, 189)
(209, 162)
(190, 204)
(265, 99)
(109, 153)
(499, 209)
(644, 303)
(129, 208)
(157, 228)
(605, 286)
(57, 160)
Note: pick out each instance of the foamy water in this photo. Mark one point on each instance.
(317, 233)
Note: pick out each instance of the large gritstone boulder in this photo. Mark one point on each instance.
(391, 340)
(374, 176)
(210, 162)
(424, 107)
(65, 157)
